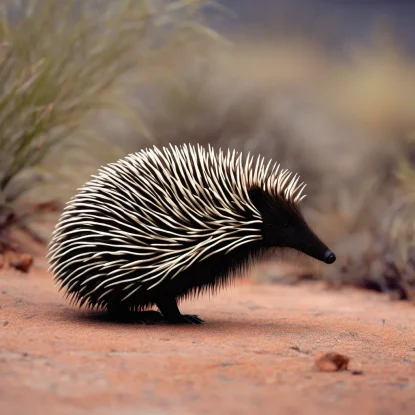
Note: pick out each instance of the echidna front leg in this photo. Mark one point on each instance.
(168, 307)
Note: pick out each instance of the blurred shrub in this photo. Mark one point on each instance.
(400, 243)
(61, 61)
(378, 252)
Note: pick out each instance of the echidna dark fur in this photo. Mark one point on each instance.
(164, 224)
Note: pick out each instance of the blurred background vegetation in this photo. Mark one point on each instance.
(324, 87)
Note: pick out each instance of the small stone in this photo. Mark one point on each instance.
(332, 362)
(23, 263)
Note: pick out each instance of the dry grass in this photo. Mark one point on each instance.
(60, 63)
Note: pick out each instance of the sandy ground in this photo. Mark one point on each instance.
(254, 355)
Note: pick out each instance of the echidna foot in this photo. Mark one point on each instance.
(169, 309)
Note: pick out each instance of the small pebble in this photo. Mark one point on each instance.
(332, 362)
(23, 263)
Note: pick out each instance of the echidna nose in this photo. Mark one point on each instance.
(329, 257)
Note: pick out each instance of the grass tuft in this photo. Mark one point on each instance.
(60, 62)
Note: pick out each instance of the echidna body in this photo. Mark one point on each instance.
(163, 224)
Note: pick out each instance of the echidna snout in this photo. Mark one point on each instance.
(163, 224)
(329, 257)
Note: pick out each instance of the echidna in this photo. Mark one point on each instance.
(163, 224)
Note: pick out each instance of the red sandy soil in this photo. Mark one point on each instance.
(254, 355)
